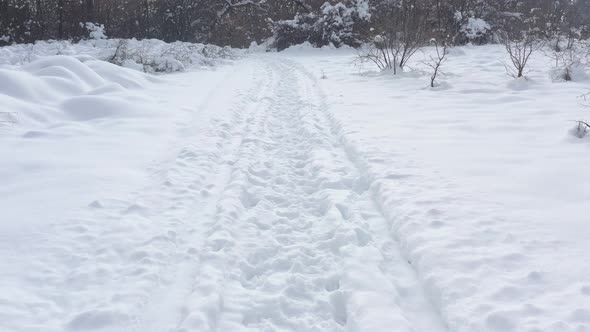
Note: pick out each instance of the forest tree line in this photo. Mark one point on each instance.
(238, 23)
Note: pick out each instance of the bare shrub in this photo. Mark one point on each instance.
(519, 49)
(390, 52)
(402, 38)
(581, 129)
(566, 62)
(154, 56)
(137, 56)
(435, 62)
(380, 53)
(181, 52)
(562, 48)
(144, 56)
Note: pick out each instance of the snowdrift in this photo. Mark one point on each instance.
(63, 88)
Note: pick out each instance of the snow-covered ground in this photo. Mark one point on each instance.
(291, 191)
(481, 183)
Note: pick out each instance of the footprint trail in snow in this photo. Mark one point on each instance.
(297, 243)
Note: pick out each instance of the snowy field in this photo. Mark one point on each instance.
(292, 191)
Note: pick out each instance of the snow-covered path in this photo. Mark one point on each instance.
(296, 243)
(257, 221)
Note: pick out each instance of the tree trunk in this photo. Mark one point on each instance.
(90, 11)
(146, 18)
(60, 19)
(40, 20)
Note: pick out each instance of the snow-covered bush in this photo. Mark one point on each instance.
(475, 30)
(210, 51)
(149, 55)
(336, 24)
(145, 57)
(566, 52)
(568, 67)
(296, 31)
(156, 56)
(95, 31)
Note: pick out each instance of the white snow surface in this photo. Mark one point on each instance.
(292, 191)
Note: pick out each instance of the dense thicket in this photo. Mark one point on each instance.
(239, 22)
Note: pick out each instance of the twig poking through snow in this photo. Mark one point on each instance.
(581, 130)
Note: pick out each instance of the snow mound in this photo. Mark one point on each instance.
(63, 88)
(73, 154)
(22, 85)
(305, 46)
(85, 108)
(575, 73)
(127, 78)
(520, 84)
(66, 67)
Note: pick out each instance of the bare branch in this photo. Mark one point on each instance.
(302, 4)
(230, 5)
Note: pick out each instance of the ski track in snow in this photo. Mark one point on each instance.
(261, 223)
